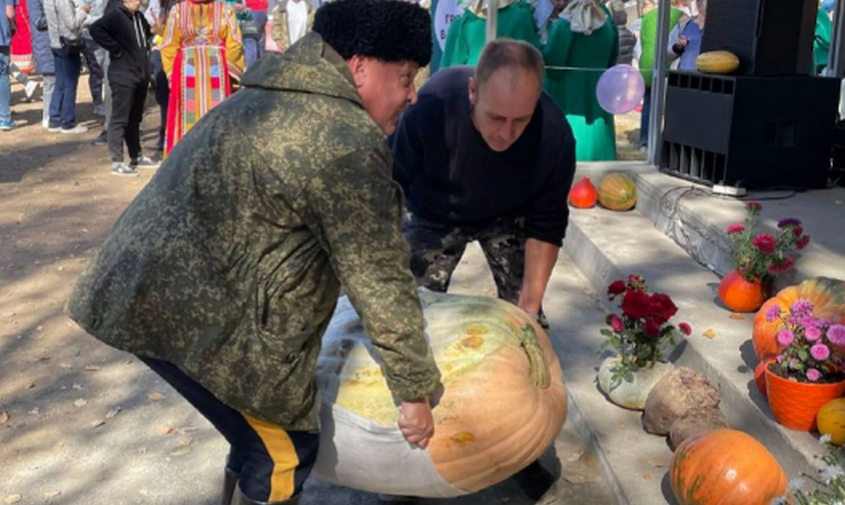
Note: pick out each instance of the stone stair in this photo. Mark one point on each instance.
(676, 228)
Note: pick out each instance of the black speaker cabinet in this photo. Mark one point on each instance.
(771, 37)
(753, 132)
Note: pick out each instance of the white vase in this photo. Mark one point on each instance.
(631, 395)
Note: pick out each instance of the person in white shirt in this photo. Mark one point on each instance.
(291, 20)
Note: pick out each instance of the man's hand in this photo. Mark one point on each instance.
(416, 422)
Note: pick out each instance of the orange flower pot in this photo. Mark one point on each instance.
(795, 404)
(740, 295)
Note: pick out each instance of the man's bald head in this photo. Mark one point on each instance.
(515, 56)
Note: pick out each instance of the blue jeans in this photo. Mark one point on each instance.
(5, 84)
(63, 104)
(254, 48)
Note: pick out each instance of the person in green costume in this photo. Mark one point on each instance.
(585, 42)
(645, 52)
(467, 34)
(821, 44)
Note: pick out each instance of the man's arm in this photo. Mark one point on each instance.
(540, 258)
(357, 212)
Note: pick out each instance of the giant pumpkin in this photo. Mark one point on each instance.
(503, 401)
(827, 296)
(725, 467)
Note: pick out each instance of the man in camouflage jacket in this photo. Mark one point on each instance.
(223, 273)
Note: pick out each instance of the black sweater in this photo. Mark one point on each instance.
(451, 176)
(125, 35)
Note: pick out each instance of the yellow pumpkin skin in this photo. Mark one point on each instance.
(831, 420)
(723, 467)
(717, 62)
(617, 191)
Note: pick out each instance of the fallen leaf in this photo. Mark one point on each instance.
(155, 396)
(91, 368)
(709, 333)
(97, 423)
(4, 418)
(575, 479)
(80, 402)
(34, 412)
(736, 315)
(113, 412)
(185, 442)
(52, 494)
(647, 476)
(181, 451)
(12, 498)
(31, 385)
(656, 463)
(165, 430)
(575, 456)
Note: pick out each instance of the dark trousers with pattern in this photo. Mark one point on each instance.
(273, 463)
(436, 250)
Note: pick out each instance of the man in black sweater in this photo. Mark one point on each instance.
(485, 155)
(124, 33)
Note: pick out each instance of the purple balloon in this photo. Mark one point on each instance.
(620, 89)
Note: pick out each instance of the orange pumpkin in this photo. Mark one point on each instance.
(827, 296)
(617, 191)
(741, 295)
(725, 467)
(583, 195)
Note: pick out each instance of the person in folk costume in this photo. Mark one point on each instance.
(202, 50)
(583, 43)
(21, 41)
(467, 34)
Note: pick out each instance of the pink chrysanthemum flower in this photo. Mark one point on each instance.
(802, 308)
(813, 375)
(820, 351)
(754, 205)
(785, 337)
(803, 242)
(788, 221)
(836, 334)
(773, 313)
(812, 333)
(736, 228)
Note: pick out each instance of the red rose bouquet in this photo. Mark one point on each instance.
(641, 334)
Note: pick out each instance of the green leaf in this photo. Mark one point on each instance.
(607, 333)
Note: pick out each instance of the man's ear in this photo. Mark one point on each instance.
(473, 91)
(358, 67)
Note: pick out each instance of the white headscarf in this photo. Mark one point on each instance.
(584, 16)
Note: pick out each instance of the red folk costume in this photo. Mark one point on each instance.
(202, 47)
(22, 41)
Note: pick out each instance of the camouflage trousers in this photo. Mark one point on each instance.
(436, 250)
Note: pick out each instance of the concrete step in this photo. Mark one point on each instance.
(696, 219)
(607, 246)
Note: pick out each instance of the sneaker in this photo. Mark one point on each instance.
(7, 125)
(45, 123)
(144, 162)
(30, 88)
(76, 130)
(102, 139)
(123, 169)
(100, 110)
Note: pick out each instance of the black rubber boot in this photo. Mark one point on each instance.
(230, 482)
(242, 499)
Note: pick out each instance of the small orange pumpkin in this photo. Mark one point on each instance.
(740, 295)
(827, 296)
(617, 191)
(583, 195)
(725, 466)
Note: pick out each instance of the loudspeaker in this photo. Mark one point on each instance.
(770, 37)
(753, 132)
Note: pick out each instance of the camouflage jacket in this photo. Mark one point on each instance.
(229, 262)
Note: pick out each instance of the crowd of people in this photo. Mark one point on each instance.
(192, 53)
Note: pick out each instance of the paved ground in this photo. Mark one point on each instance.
(83, 424)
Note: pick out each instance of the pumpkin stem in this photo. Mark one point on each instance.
(537, 367)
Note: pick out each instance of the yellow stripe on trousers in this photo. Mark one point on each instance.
(283, 454)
